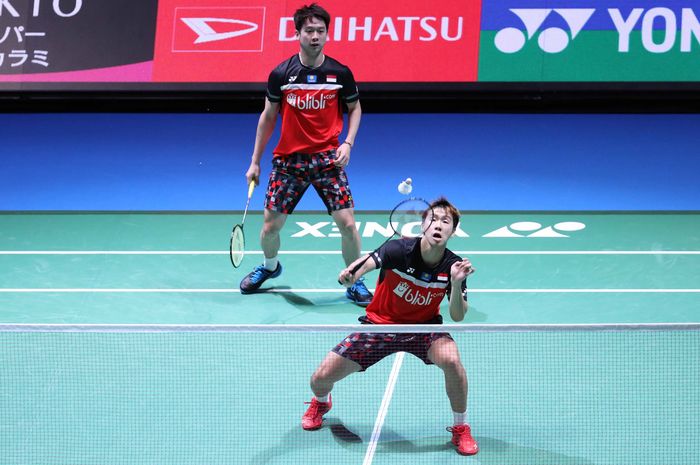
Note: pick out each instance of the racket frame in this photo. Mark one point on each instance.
(251, 186)
(393, 228)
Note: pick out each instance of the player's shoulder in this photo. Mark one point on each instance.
(450, 257)
(331, 64)
(400, 247)
(286, 66)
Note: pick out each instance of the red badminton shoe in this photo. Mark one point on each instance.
(462, 438)
(313, 418)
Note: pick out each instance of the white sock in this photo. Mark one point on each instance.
(271, 263)
(460, 418)
(322, 399)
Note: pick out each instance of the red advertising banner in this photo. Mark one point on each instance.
(243, 40)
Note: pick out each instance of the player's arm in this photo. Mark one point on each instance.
(354, 117)
(266, 125)
(458, 274)
(347, 278)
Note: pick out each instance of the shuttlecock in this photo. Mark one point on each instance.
(405, 187)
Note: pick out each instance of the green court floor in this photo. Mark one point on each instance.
(114, 396)
(173, 268)
(182, 398)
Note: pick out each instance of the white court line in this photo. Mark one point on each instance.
(383, 408)
(339, 290)
(337, 252)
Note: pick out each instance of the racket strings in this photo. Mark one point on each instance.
(237, 246)
(407, 218)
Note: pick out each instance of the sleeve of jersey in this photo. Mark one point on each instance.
(349, 92)
(386, 256)
(274, 87)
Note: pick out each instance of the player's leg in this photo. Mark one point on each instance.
(332, 369)
(331, 184)
(284, 190)
(273, 223)
(350, 236)
(444, 353)
(270, 243)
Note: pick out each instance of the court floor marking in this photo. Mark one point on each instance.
(338, 290)
(383, 408)
(338, 252)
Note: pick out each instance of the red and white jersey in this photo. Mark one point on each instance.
(409, 291)
(310, 104)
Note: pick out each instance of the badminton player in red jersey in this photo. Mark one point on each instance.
(416, 273)
(309, 90)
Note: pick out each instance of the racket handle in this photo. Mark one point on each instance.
(251, 186)
(355, 268)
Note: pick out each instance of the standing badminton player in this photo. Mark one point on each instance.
(415, 275)
(309, 91)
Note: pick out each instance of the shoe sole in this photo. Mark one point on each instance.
(254, 291)
(463, 453)
(361, 304)
(311, 429)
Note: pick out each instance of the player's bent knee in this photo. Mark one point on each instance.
(451, 363)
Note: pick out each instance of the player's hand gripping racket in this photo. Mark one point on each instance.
(406, 220)
(237, 243)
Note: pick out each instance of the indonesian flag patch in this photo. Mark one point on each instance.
(442, 277)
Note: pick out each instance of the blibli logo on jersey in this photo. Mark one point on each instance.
(307, 102)
(412, 296)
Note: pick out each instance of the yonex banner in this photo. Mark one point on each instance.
(199, 44)
(590, 40)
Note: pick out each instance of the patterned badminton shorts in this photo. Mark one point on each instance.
(292, 174)
(368, 348)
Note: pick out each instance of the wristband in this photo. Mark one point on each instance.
(347, 142)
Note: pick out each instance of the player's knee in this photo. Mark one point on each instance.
(320, 376)
(451, 363)
(270, 228)
(448, 360)
(347, 226)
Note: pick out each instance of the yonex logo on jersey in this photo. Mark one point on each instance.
(292, 78)
(412, 296)
(307, 102)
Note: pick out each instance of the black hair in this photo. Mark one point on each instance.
(442, 202)
(310, 11)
